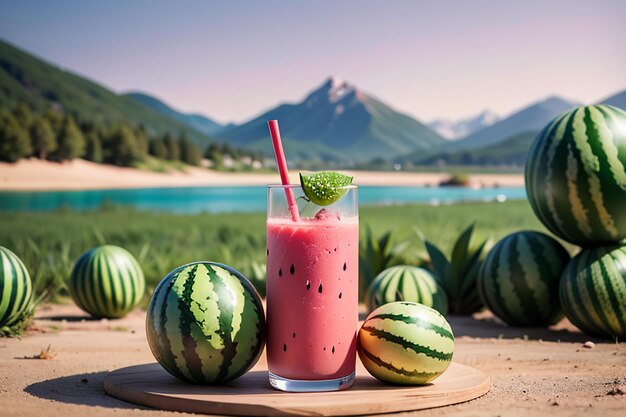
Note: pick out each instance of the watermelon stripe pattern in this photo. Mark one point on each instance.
(15, 288)
(406, 283)
(107, 282)
(406, 343)
(520, 277)
(205, 323)
(593, 291)
(576, 177)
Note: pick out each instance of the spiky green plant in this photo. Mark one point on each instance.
(379, 253)
(256, 274)
(459, 273)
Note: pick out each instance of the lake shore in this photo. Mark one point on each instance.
(38, 175)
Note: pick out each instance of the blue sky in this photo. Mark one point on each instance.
(231, 60)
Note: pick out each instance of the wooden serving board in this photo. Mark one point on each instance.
(252, 395)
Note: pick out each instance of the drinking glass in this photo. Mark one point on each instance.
(312, 291)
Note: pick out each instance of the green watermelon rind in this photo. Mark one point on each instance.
(575, 176)
(519, 279)
(406, 283)
(192, 333)
(107, 282)
(15, 289)
(406, 343)
(593, 291)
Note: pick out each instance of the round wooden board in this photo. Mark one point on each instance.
(251, 395)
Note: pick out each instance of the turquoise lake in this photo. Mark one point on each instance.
(228, 199)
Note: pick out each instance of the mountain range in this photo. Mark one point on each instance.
(617, 100)
(194, 121)
(337, 121)
(482, 149)
(334, 122)
(453, 130)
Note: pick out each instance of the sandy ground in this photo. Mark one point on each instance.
(37, 175)
(534, 371)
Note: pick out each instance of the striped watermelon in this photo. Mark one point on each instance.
(15, 288)
(107, 282)
(519, 280)
(575, 176)
(206, 323)
(406, 283)
(593, 291)
(405, 343)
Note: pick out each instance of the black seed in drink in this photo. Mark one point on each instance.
(294, 335)
(319, 289)
(268, 252)
(284, 347)
(324, 347)
(339, 295)
(333, 351)
(308, 284)
(292, 270)
(345, 266)
(280, 272)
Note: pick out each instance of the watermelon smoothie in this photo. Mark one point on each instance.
(312, 297)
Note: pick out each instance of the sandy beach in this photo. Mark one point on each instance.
(37, 175)
(533, 371)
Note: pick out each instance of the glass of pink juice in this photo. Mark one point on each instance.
(312, 292)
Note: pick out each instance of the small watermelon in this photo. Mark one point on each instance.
(405, 343)
(406, 283)
(15, 288)
(205, 323)
(107, 282)
(575, 176)
(519, 280)
(593, 291)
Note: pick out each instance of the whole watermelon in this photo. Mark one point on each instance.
(107, 282)
(575, 176)
(405, 343)
(593, 291)
(406, 283)
(519, 280)
(205, 323)
(15, 288)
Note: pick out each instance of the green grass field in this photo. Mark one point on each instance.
(49, 243)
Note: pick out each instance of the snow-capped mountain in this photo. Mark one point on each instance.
(337, 121)
(454, 130)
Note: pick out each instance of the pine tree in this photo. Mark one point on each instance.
(43, 139)
(158, 149)
(190, 153)
(214, 153)
(124, 150)
(141, 136)
(173, 151)
(71, 142)
(23, 115)
(14, 141)
(55, 119)
(94, 147)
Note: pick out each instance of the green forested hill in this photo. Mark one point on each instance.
(511, 151)
(24, 77)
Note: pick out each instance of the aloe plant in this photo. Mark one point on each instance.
(458, 274)
(377, 254)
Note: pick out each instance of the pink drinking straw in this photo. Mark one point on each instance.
(282, 168)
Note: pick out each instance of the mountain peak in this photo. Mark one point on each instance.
(558, 101)
(460, 128)
(335, 121)
(332, 91)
